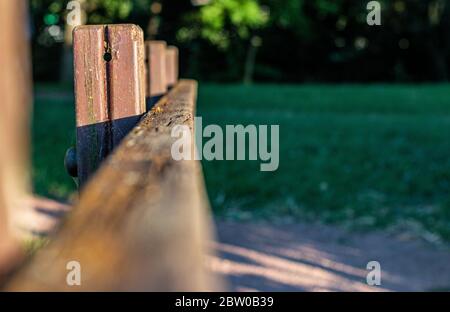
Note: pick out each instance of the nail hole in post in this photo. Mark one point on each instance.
(107, 56)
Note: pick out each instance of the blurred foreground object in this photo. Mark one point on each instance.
(15, 84)
(15, 87)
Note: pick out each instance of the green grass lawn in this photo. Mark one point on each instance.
(361, 156)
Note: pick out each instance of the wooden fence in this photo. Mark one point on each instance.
(142, 221)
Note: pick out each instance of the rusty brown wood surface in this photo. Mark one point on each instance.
(171, 66)
(109, 89)
(156, 68)
(142, 223)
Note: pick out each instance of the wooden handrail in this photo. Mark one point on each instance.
(141, 223)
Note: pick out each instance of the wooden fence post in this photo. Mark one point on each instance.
(156, 71)
(109, 90)
(171, 66)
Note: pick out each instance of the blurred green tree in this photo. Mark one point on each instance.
(229, 25)
(289, 40)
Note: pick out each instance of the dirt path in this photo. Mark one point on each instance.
(305, 257)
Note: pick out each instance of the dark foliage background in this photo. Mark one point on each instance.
(272, 40)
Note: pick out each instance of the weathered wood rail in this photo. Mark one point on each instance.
(142, 222)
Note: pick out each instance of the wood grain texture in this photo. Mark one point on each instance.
(109, 93)
(143, 221)
(90, 79)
